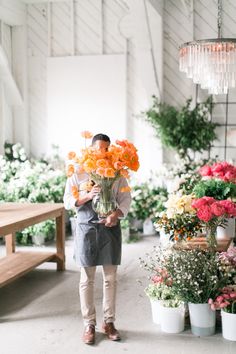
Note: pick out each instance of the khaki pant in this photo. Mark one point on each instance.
(86, 290)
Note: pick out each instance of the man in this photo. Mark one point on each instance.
(97, 243)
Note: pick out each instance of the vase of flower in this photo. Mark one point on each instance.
(202, 319)
(104, 202)
(172, 318)
(228, 325)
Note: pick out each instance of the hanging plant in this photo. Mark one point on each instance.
(185, 130)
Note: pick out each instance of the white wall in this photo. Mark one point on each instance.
(88, 94)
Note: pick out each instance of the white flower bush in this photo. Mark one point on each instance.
(30, 180)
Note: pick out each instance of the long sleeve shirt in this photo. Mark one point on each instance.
(123, 199)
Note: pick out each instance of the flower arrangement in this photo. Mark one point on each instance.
(196, 274)
(30, 180)
(226, 300)
(228, 263)
(179, 220)
(147, 201)
(213, 213)
(160, 287)
(221, 170)
(103, 168)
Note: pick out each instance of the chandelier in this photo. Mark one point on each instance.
(210, 62)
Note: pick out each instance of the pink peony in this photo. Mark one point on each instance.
(205, 171)
(205, 213)
(229, 206)
(217, 209)
(198, 203)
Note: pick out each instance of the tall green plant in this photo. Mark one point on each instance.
(185, 130)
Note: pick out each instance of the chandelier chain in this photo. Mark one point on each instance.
(219, 18)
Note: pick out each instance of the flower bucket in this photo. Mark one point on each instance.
(38, 240)
(172, 319)
(156, 311)
(148, 228)
(202, 319)
(228, 325)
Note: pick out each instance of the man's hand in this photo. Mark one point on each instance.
(94, 191)
(112, 219)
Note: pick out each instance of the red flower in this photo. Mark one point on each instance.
(205, 213)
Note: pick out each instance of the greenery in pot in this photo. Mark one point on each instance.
(185, 130)
(215, 188)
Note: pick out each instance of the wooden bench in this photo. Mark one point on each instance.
(17, 216)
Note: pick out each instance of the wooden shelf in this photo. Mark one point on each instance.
(20, 263)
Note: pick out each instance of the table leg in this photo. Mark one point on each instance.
(60, 241)
(10, 243)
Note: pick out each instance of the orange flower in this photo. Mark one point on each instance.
(109, 172)
(70, 170)
(86, 134)
(100, 171)
(125, 189)
(124, 173)
(75, 192)
(71, 155)
(89, 165)
(189, 238)
(102, 163)
(176, 238)
(118, 165)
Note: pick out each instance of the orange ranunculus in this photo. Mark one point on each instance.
(124, 173)
(70, 170)
(89, 165)
(125, 189)
(75, 192)
(118, 165)
(109, 172)
(102, 163)
(134, 165)
(86, 134)
(71, 155)
(100, 171)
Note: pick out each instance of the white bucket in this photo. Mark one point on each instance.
(228, 325)
(202, 319)
(172, 319)
(156, 311)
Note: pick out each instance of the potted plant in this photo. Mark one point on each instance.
(196, 276)
(185, 130)
(226, 302)
(147, 200)
(167, 309)
(179, 221)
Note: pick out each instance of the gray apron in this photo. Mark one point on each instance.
(95, 244)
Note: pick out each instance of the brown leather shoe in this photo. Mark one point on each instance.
(111, 332)
(89, 334)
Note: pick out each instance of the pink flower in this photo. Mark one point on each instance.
(198, 203)
(205, 171)
(229, 206)
(205, 213)
(217, 209)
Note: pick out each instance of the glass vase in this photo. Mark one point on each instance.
(104, 202)
(211, 237)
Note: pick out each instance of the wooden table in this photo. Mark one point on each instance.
(17, 216)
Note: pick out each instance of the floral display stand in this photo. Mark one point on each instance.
(201, 242)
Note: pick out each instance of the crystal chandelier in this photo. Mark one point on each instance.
(210, 62)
